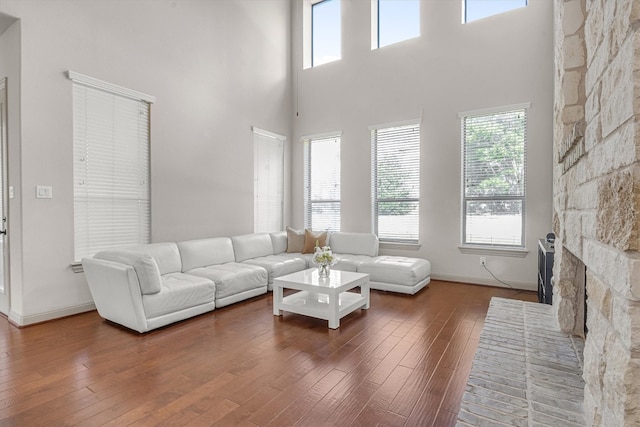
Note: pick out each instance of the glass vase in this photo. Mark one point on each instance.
(323, 270)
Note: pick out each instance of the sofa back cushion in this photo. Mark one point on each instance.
(279, 242)
(354, 243)
(205, 252)
(144, 265)
(252, 246)
(165, 254)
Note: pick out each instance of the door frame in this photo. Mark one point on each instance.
(5, 298)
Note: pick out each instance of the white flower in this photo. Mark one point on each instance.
(323, 256)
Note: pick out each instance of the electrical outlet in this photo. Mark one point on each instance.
(44, 192)
(483, 260)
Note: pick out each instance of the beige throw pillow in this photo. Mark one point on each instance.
(310, 239)
(295, 240)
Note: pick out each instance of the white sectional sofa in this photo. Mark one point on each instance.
(153, 285)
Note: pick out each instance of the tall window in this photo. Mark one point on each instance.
(268, 181)
(322, 183)
(493, 197)
(394, 21)
(478, 9)
(325, 32)
(110, 166)
(395, 182)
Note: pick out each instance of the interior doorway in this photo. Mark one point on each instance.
(4, 193)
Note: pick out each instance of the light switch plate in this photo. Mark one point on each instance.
(44, 192)
(11, 191)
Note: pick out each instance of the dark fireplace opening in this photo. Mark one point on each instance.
(580, 281)
(586, 296)
(581, 297)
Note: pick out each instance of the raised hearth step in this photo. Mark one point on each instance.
(525, 371)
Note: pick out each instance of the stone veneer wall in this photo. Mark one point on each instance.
(597, 201)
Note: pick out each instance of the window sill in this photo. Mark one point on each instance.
(495, 251)
(400, 246)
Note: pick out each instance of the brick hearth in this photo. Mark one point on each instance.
(526, 372)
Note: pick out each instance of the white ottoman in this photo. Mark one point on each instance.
(397, 274)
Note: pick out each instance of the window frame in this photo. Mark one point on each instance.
(308, 183)
(409, 243)
(464, 198)
(261, 136)
(88, 84)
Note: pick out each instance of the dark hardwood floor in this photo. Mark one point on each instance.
(405, 361)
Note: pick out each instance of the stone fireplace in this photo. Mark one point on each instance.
(596, 193)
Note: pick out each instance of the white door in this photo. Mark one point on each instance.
(4, 282)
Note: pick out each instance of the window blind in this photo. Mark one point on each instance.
(322, 183)
(494, 177)
(111, 170)
(268, 181)
(395, 182)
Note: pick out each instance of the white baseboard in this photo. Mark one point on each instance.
(31, 319)
(486, 282)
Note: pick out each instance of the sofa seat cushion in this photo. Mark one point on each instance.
(278, 265)
(396, 270)
(350, 262)
(233, 277)
(308, 258)
(179, 291)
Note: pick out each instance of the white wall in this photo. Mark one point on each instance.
(501, 60)
(215, 67)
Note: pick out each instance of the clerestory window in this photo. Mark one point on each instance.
(478, 9)
(325, 32)
(393, 21)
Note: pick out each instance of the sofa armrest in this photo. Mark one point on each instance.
(116, 292)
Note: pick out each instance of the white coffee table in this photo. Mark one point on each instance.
(322, 298)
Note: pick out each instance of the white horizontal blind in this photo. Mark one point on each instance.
(395, 182)
(111, 170)
(268, 181)
(494, 168)
(322, 183)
